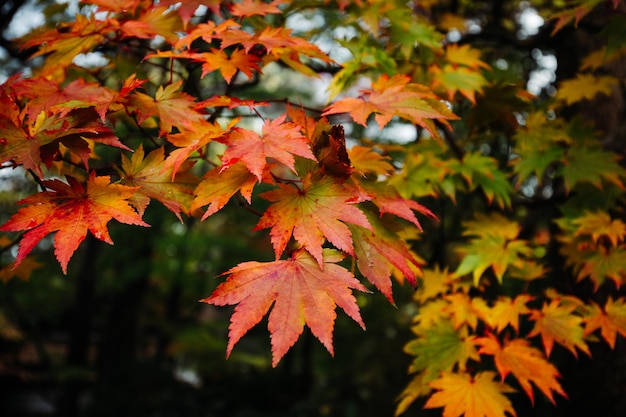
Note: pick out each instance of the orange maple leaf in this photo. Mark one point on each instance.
(395, 96)
(249, 8)
(506, 312)
(190, 141)
(71, 210)
(218, 186)
(610, 320)
(300, 292)
(525, 362)
(472, 396)
(173, 108)
(311, 213)
(280, 140)
(152, 22)
(68, 40)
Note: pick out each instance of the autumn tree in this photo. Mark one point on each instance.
(410, 145)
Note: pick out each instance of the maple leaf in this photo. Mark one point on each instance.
(63, 43)
(218, 186)
(280, 140)
(216, 59)
(365, 160)
(418, 387)
(599, 224)
(433, 283)
(154, 181)
(555, 322)
(23, 271)
(249, 8)
(152, 22)
(388, 200)
(462, 309)
(451, 79)
(465, 55)
(491, 225)
(46, 95)
(424, 173)
(187, 8)
(440, 348)
(506, 311)
(610, 320)
(193, 141)
(173, 108)
(526, 363)
(482, 171)
(377, 250)
(597, 262)
(208, 31)
(430, 314)
(575, 13)
(587, 164)
(301, 292)
(71, 210)
(311, 213)
(493, 252)
(472, 396)
(31, 143)
(585, 87)
(395, 96)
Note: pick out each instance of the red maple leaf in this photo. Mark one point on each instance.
(71, 210)
(46, 95)
(188, 7)
(280, 140)
(300, 292)
(312, 213)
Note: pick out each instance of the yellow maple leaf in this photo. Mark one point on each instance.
(557, 323)
(585, 87)
(494, 224)
(462, 310)
(506, 311)
(465, 55)
(433, 283)
(599, 224)
(472, 396)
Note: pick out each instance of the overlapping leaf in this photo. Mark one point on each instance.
(312, 212)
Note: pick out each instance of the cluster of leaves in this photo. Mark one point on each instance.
(166, 119)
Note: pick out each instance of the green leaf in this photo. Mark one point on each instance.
(587, 164)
